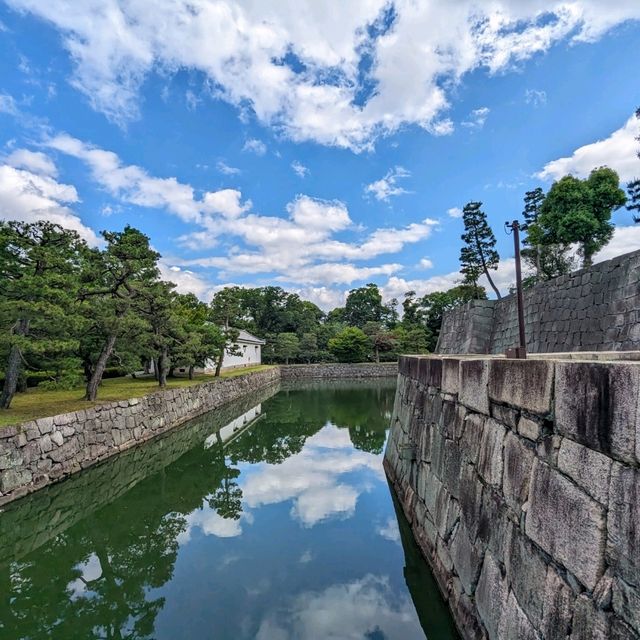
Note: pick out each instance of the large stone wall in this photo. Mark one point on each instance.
(37, 453)
(520, 480)
(596, 309)
(339, 370)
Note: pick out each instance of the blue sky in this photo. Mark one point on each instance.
(318, 147)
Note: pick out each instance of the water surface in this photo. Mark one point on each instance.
(270, 519)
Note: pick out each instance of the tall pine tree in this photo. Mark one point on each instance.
(478, 255)
(633, 188)
(532, 203)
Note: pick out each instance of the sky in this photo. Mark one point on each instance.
(316, 146)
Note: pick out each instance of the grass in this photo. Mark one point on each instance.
(38, 403)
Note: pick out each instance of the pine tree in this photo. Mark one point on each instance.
(478, 255)
(633, 203)
(532, 203)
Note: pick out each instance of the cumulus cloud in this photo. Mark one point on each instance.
(34, 161)
(242, 49)
(454, 212)
(29, 197)
(625, 239)
(618, 151)
(253, 145)
(476, 118)
(299, 169)
(387, 186)
(186, 281)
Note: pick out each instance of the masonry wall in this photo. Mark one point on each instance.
(596, 309)
(339, 370)
(520, 480)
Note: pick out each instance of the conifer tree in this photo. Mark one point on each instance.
(478, 255)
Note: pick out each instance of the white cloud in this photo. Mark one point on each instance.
(224, 168)
(211, 524)
(389, 530)
(299, 169)
(425, 263)
(192, 100)
(618, 151)
(255, 146)
(34, 161)
(186, 281)
(240, 47)
(319, 214)
(454, 212)
(625, 239)
(477, 118)
(535, 97)
(387, 187)
(364, 608)
(8, 105)
(29, 197)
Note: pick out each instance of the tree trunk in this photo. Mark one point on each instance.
(286, 360)
(172, 372)
(377, 354)
(219, 363)
(162, 368)
(538, 263)
(12, 372)
(155, 367)
(96, 377)
(191, 368)
(587, 258)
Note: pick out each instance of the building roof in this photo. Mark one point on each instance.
(248, 338)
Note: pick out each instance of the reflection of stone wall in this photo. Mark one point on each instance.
(339, 370)
(594, 309)
(521, 483)
(27, 524)
(37, 453)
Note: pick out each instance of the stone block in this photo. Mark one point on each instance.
(526, 574)
(596, 404)
(450, 375)
(621, 631)
(557, 605)
(45, 425)
(472, 436)
(507, 415)
(57, 438)
(589, 623)
(490, 461)
(626, 603)
(518, 459)
(587, 468)
(526, 384)
(10, 457)
(466, 559)
(567, 523)
(11, 479)
(491, 594)
(623, 527)
(493, 523)
(514, 622)
(451, 470)
(473, 385)
(470, 499)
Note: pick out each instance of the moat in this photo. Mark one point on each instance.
(270, 519)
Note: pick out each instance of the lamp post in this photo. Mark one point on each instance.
(521, 350)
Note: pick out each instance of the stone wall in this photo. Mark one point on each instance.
(520, 480)
(339, 370)
(596, 309)
(37, 453)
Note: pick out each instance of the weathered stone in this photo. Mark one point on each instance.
(472, 436)
(10, 457)
(514, 623)
(450, 375)
(507, 415)
(65, 452)
(470, 499)
(588, 468)
(526, 384)
(466, 559)
(518, 459)
(11, 479)
(490, 593)
(45, 425)
(529, 428)
(57, 438)
(626, 603)
(621, 631)
(597, 405)
(557, 605)
(623, 528)
(473, 385)
(490, 456)
(588, 622)
(560, 514)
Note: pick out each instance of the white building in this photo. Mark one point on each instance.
(250, 353)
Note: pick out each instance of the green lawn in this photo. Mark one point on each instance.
(37, 403)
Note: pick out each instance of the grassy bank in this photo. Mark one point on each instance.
(38, 403)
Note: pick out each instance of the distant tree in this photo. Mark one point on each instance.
(390, 314)
(579, 211)
(350, 345)
(363, 305)
(287, 346)
(381, 338)
(412, 339)
(633, 203)
(412, 314)
(39, 280)
(532, 204)
(226, 312)
(478, 255)
(309, 347)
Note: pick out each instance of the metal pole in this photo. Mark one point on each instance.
(523, 339)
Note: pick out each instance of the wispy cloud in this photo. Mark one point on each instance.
(535, 97)
(476, 118)
(387, 187)
(225, 169)
(253, 145)
(299, 169)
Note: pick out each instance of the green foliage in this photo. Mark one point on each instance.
(633, 203)
(309, 347)
(287, 346)
(579, 211)
(350, 345)
(478, 255)
(382, 340)
(412, 339)
(363, 305)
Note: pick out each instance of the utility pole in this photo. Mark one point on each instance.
(520, 351)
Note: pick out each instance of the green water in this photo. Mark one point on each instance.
(270, 519)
